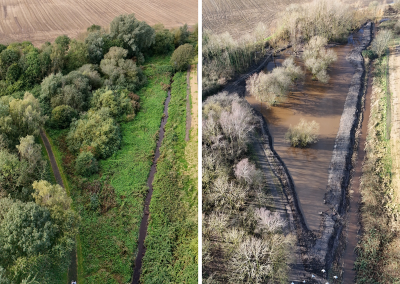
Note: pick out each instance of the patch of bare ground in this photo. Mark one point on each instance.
(394, 81)
(191, 149)
(43, 20)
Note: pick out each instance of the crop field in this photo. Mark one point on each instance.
(43, 20)
(240, 17)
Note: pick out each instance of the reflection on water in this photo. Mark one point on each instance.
(311, 100)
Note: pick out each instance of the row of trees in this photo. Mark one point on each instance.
(242, 240)
(22, 65)
(37, 225)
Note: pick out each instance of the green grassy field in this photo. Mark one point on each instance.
(111, 203)
(171, 241)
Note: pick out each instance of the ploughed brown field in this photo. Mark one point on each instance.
(39, 21)
(240, 17)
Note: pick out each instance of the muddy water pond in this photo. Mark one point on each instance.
(310, 100)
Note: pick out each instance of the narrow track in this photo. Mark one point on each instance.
(73, 267)
(188, 109)
(143, 225)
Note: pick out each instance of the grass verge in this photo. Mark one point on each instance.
(377, 254)
(171, 242)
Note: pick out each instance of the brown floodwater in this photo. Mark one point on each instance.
(310, 100)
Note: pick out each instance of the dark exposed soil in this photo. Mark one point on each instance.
(73, 267)
(143, 225)
(352, 223)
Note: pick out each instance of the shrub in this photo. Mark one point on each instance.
(136, 36)
(317, 58)
(368, 53)
(181, 57)
(93, 28)
(86, 164)
(329, 19)
(164, 40)
(223, 57)
(259, 260)
(268, 221)
(95, 129)
(118, 102)
(303, 134)
(94, 202)
(95, 46)
(90, 71)
(73, 90)
(119, 71)
(13, 73)
(381, 42)
(77, 55)
(272, 87)
(62, 116)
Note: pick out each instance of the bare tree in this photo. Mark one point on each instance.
(251, 263)
(317, 58)
(272, 87)
(381, 42)
(268, 221)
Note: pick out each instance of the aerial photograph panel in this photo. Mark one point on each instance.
(300, 179)
(98, 142)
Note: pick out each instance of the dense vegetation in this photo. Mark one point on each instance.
(101, 102)
(243, 241)
(302, 134)
(224, 57)
(377, 252)
(37, 224)
(171, 241)
(273, 87)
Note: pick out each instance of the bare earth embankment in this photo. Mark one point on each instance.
(43, 20)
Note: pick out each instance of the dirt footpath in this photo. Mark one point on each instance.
(73, 268)
(394, 87)
(191, 150)
(53, 162)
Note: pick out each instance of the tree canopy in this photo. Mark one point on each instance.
(135, 35)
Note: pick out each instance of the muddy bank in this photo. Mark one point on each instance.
(313, 101)
(354, 193)
(324, 250)
(143, 225)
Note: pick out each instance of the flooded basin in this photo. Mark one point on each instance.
(310, 100)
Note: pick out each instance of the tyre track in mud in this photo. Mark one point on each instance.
(73, 268)
(144, 224)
